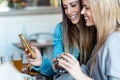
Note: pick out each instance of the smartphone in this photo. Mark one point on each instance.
(26, 45)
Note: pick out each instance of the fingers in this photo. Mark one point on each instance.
(35, 49)
(54, 60)
(26, 50)
(65, 64)
(69, 57)
(35, 52)
(38, 58)
(31, 60)
(68, 62)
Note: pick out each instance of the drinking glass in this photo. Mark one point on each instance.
(18, 60)
(58, 69)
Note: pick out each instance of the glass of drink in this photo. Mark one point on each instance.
(18, 60)
(58, 69)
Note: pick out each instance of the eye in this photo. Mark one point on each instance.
(87, 7)
(64, 7)
(73, 5)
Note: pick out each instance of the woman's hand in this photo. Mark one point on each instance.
(56, 67)
(38, 58)
(54, 64)
(72, 66)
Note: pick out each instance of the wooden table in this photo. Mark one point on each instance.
(25, 70)
(34, 73)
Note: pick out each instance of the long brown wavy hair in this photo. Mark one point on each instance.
(82, 37)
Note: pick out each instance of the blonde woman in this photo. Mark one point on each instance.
(105, 59)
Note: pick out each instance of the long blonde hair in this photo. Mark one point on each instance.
(106, 15)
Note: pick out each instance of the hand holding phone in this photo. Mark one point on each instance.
(27, 45)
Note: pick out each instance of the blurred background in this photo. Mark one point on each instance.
(28, 17)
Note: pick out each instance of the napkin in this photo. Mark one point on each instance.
(9, 72)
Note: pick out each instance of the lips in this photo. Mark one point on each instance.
(86, 18)
(73, 17)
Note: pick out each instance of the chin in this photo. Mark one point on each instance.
(89, 25)
(75, 22)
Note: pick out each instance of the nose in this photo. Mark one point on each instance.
(83, 11)
(69, 10)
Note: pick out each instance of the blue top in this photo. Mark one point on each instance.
(58, 48)
(107, 66)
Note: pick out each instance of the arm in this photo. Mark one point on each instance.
(58, 47)
(72, 66)
(46, 66)
(112, 63)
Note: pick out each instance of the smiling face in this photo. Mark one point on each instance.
(72, 10)
(86, 11)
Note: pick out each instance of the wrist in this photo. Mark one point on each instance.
(83, 76)
(40, 61)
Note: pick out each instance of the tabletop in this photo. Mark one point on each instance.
(35, 74)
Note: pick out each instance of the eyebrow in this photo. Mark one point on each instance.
(71, 2)
(84, 5)
(74, 2)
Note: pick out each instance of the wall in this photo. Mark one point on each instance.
(11, 26)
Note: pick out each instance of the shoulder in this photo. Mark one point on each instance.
(112, 51)
(111, 47)
(58, 26)
(113, 40)
(58, 29)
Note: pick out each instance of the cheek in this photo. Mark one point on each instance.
(92, 20)
(91, 16)
(66, 12)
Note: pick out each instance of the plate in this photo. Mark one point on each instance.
(28, 77)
